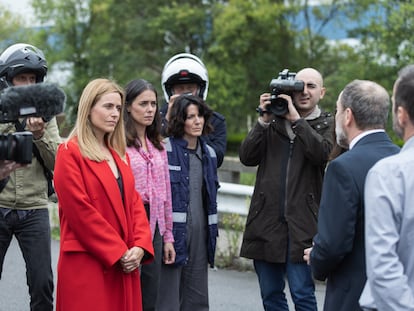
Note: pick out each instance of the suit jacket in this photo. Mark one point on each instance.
(338, 253)
(98, 226)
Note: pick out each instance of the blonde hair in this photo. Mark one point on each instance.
(83, 130)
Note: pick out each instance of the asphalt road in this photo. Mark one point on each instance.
(229, 290)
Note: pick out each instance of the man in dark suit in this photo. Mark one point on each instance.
(338, 253)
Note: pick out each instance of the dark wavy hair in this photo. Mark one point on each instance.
(133, 89)
(178, 114)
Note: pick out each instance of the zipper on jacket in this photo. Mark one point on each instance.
(284, 207)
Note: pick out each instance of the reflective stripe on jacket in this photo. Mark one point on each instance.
(178, 162)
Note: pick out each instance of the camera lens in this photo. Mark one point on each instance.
(7, 147)
(278, 106)
(17, 147)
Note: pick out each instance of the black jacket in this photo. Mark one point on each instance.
(286, 196)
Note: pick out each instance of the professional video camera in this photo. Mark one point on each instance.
(284, 84)
(44, 100)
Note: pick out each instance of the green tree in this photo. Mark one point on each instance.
(245, 55)
(254, 40)
(244, 43)
(386, 44)
(120, 39)
(12, 28)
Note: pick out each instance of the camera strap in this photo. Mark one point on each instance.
(48, 173)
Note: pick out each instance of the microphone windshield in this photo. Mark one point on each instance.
(44, 100)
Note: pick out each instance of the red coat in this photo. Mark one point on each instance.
(96, 229)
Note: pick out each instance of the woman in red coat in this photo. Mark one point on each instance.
(105, 235)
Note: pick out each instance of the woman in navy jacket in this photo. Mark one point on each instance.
(193, 173)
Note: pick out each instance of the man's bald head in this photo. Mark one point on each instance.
(310, 72)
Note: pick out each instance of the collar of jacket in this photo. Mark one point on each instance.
(316, 113)
(181, 142)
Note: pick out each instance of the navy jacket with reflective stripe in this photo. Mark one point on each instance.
(179, 163)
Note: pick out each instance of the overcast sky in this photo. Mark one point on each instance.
(22, 7)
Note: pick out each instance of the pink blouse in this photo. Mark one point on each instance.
(152, 181)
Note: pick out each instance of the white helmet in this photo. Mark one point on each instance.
(184, 68)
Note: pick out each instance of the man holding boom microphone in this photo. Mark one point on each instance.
(24, 200)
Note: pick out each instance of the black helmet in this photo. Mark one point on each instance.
(21, 58)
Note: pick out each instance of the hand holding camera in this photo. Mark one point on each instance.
(279, 101)
(292, 114)
(37, 126)
(264, 113)
(267, 115)
(170, 105)
(6, 167)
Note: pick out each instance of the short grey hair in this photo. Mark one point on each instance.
(369, 103)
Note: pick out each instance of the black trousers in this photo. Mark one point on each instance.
(33, 235)
(150, 275)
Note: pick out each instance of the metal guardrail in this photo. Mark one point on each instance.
(231, 169)
(234, 198)
(231, 198)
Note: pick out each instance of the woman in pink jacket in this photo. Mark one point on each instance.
(149, 164)
(105, 235)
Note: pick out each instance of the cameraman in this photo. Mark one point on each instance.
(291, 152)
(24, 200)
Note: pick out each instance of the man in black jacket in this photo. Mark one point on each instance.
(291, 152)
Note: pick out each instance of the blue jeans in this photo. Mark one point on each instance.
(272, 284)
(33, 235)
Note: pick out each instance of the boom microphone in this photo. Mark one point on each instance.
(44, 100)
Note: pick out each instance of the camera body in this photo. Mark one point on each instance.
(285, 83)
(17, 147)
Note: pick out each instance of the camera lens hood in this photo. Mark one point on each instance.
(278, 106)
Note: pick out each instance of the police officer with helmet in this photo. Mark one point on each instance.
(186, 73)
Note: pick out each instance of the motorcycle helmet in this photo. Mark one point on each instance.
(184, 68)
(21, 58)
